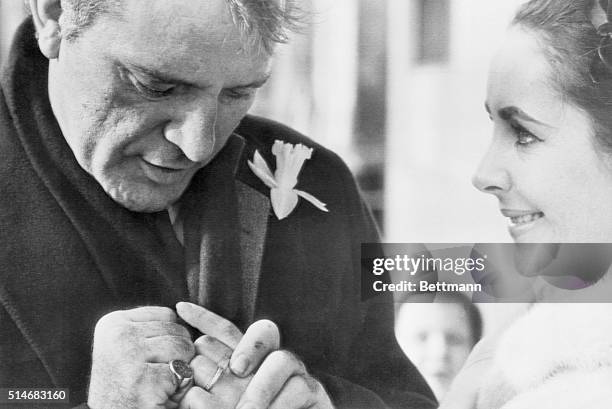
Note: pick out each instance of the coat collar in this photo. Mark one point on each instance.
(226, 212)
(253, 213)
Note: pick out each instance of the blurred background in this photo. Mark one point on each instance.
(396, 88)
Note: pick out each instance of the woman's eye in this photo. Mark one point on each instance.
(523, 136)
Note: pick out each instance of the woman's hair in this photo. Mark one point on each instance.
(570, 41)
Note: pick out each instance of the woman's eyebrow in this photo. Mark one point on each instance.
(511, 112)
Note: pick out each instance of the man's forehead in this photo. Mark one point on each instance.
(187, 24)
(212, 15)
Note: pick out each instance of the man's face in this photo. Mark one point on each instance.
(147, 98)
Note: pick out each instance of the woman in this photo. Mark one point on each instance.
(550, 166)
(550, 159)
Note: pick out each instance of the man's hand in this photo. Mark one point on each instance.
(131, 352)
(212, 354)
(280, 382)
(249, 350)
(224, 341)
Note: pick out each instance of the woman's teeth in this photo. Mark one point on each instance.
(526, 218)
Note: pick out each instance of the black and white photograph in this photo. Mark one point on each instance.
(292, 204)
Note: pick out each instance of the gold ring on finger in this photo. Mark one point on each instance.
(221, 368)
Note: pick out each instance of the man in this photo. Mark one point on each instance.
(126, 183)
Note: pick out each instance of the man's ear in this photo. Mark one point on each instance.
(46, 14)
(598, 13)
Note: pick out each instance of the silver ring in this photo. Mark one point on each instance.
(221, 368)
(182, 372)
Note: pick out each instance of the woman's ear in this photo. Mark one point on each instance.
(45, 14)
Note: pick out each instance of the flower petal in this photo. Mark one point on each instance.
(261, 174)
(278, 151)
(283, 202)
(313, 200)
(261, 163)
(289, 161)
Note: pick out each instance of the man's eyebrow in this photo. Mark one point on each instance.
(168, 79)
(511, 112)
(159, 76)
(255, 84)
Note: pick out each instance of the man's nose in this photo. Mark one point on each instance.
(193, 131)
(491, 175)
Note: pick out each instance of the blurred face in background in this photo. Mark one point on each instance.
(553, 182)
(437, 338)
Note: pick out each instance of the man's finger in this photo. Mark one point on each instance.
(166, 348)
(151, 329)
(260, 339)
(161, 383)
(150, 313)
(204, 370)
(198, 398)
(268, 381)
(296, 394)
(213, 349)
(142, 314)
(209, 323)
(176, 398)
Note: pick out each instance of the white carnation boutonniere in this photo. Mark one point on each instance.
(289, 161)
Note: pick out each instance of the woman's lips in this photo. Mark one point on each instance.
(521, 220)
(528, 218)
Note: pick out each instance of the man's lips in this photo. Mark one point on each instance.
(163, 175)
(169, 167)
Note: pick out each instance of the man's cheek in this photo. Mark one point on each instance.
(228, 120)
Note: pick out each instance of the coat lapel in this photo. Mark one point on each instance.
(253, 198)
(253, 213)
(226, 215)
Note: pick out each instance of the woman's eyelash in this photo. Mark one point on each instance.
(523, 136)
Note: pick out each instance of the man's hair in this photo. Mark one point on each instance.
(262, 23)
(570, 43)
(78, 15)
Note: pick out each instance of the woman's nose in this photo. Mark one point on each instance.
(492, 176)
